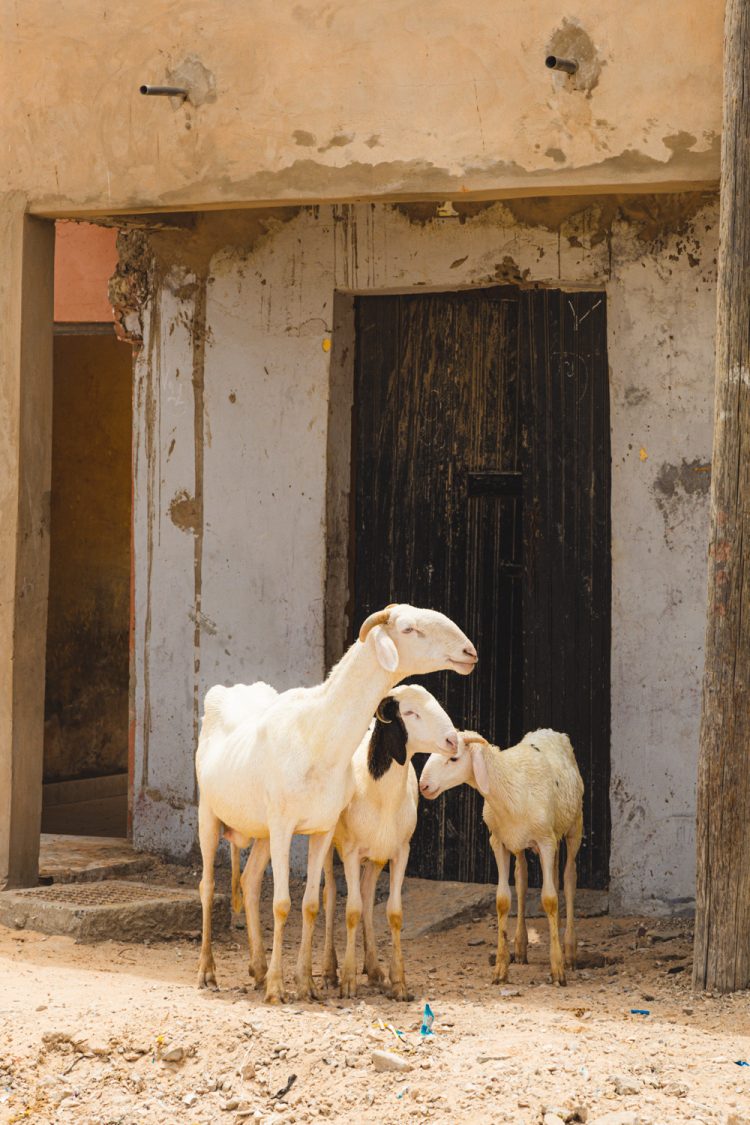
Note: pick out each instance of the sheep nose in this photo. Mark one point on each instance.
(424, 787)
(452, 740)
(471, 651)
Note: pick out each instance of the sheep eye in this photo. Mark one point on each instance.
(454, 759)
(412, 714)
(408, 629)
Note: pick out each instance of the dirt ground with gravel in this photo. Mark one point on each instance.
(114, 1034)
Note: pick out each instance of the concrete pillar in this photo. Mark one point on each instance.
(26, 289)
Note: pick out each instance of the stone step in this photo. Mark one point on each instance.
(81, 859)
(113, 909)
(431, 906)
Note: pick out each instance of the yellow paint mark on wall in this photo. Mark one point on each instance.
(326, 345)
(643, 454)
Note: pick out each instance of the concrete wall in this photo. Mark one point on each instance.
(231, 471)
(412, 99)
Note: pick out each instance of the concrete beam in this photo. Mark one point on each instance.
(26, 289)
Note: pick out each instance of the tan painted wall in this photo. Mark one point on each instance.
(352, 99)
(26, 257)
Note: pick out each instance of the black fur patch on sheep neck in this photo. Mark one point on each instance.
(388, 739)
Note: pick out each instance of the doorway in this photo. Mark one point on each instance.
(481, 487)
(87, 665)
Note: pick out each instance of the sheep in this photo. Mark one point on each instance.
(533, 797)
(285, 768)
(377, 826)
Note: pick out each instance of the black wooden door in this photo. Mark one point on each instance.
(452, 399)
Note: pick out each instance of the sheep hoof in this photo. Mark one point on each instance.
(331, 978)
(500, 977)
(274, 992)
(375, 975)
(400, 992)
(207, 978)
(348, 988)
(306, 990)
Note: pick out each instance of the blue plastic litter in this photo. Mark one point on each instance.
(741, 1062)
(427, 1019)
(640, 1012)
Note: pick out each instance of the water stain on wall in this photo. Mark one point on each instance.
(678, 487)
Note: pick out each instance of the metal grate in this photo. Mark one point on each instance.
(111, 892)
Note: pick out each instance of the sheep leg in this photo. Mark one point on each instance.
(521, 941)
(281, 839)
(394, 910)
(375, 974)
(548, 855)
(252, 879)
(572, 844)
(209, 830)
(317, 848)
(236, 878)
(330, 963)
(352, 865)
(502, 902)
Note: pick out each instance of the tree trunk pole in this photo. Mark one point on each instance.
(722, 925)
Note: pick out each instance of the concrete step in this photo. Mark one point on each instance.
(113, 909)
(81, 859)
(431, 906)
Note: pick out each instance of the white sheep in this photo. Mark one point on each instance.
(286, 768)
(533, 797)
(377, 825)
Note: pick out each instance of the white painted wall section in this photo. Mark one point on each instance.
(269, 317)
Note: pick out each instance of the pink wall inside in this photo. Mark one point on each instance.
(85, 259)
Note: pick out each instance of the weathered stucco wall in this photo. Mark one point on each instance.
(412, 99)
(231, 472)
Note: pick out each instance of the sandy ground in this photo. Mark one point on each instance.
(86, 1033)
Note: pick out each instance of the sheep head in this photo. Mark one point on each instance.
(416, 641)
(409, 721)
(467, 766)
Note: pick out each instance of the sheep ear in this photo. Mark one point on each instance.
(481, 774)
(385, 650)
(388, 739)
(398, 738)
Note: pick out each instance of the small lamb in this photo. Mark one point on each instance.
(533, 797)
(377, 826)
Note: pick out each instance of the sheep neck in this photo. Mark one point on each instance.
(506, 786)
(348, 699)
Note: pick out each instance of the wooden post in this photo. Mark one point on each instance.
(722, 930)
(26, 252)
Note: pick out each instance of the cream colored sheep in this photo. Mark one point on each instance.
(377, 825)
(533, 797)
(280, 764)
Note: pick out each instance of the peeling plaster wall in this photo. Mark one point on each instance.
(410, 98)
(251, 301)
